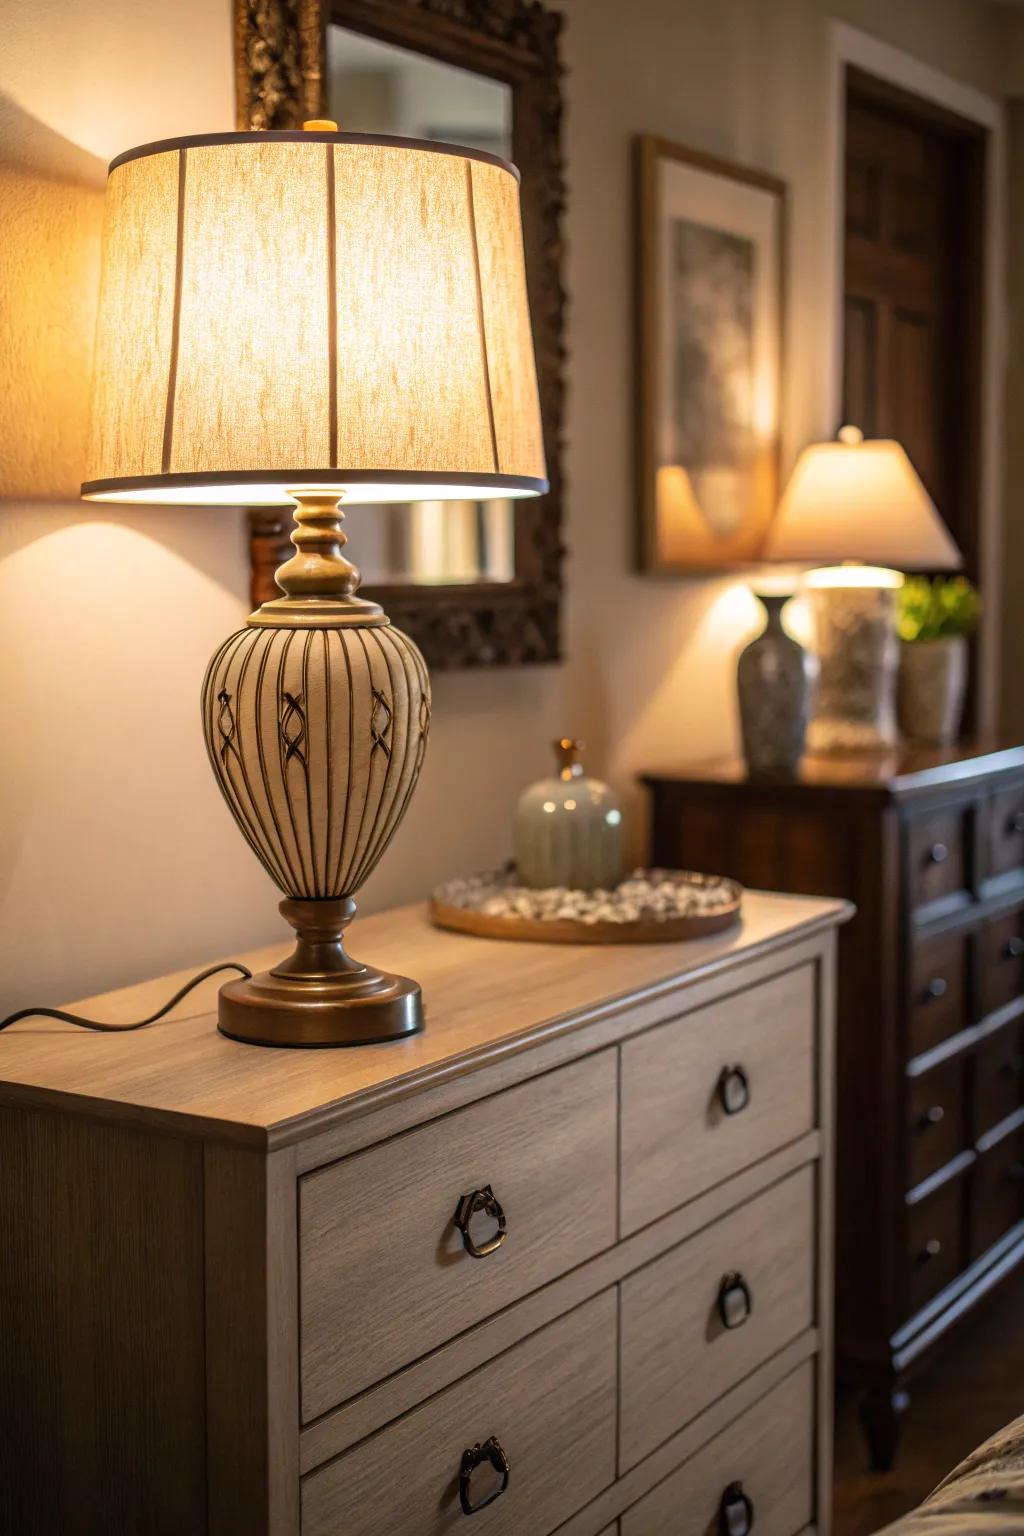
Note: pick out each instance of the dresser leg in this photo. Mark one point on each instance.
(882, 1414)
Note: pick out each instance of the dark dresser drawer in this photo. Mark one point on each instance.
(1002, 833)
(936, 1122)
(938, 991)
(999, 961)
(937, 857)
(935, 1248)
(998, 1077)
(997, 1195)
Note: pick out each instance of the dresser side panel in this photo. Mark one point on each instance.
(102, 1410)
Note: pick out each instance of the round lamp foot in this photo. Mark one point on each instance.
(319, 995)
(366, 1009)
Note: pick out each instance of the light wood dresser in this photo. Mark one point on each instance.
(559, 1263)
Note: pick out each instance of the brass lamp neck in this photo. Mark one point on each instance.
(318, 582)
(318, 567)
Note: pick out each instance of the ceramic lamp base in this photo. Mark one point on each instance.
(858, 652)
(319, 996)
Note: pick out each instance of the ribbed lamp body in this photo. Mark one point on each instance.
(317, 737)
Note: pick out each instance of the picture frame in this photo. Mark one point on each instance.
(710, 295)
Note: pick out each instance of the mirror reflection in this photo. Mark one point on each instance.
(376, 87)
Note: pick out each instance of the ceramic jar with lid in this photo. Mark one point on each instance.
(568, 828)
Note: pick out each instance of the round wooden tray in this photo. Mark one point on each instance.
(650, 930)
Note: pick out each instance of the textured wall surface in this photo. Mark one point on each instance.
(117, 857)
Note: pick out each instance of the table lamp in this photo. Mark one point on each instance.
(301, 317)
(858, 505)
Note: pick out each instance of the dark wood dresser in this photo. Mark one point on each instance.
(930, 1111)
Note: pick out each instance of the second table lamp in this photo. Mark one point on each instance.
(308, 316)
(856, 509)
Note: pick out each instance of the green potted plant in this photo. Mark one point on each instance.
(936, 615)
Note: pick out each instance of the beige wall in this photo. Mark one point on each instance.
(116, 855)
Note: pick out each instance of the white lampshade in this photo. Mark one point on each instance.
(313, 308)
(863, 501)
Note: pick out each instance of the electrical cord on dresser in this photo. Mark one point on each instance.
(118, 1029)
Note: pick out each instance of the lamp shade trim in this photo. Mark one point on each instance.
(463, 487)
(313, 136)
(172, 371)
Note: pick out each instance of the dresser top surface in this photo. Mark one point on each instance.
(481, 996)
(899, 772)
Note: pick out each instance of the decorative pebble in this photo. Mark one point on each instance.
(646, 895)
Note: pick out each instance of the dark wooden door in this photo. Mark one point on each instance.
(912, 291)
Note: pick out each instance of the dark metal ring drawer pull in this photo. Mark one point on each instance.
(936, 988)
(1014, 947)
(1016, 822)
(735, 1302)
(735, 1512)
(932, 1116)
(491, 1452)
(931, 1250)
(938, 853)
(733, 1089)
(480, 1200)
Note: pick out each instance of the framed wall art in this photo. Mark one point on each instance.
(710, 240)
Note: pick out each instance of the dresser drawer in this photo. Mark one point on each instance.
(706, 1095)
(384, 1273)
(754, 1268)
(936, 1120)
(1003, 832)
(768, 1452)
(935, 1243)
(549, 1403)
(998, 1077)
(997, 1192)
(999, 958)
(938, 864)
(938, 991)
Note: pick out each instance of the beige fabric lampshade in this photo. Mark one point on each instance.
(859, 501)
(314, 308)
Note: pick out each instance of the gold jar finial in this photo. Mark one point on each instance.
(567, 751)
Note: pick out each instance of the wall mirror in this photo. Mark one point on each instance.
(474, 584)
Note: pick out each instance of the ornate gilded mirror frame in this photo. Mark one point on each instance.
(280, 62)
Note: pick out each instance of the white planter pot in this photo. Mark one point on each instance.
(933, 682)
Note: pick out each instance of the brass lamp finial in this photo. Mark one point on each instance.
(568, 752)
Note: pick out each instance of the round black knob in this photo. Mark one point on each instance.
(1016, 822)
(1014, 947)
(735, 1303)
(938, 853)
(934, 1115)
(735, 1512)
(937, 987)
(733, 1089)
(480, 1200)
(931, 1250)
(492, 1453)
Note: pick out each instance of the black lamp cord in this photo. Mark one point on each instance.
(118, 1029)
